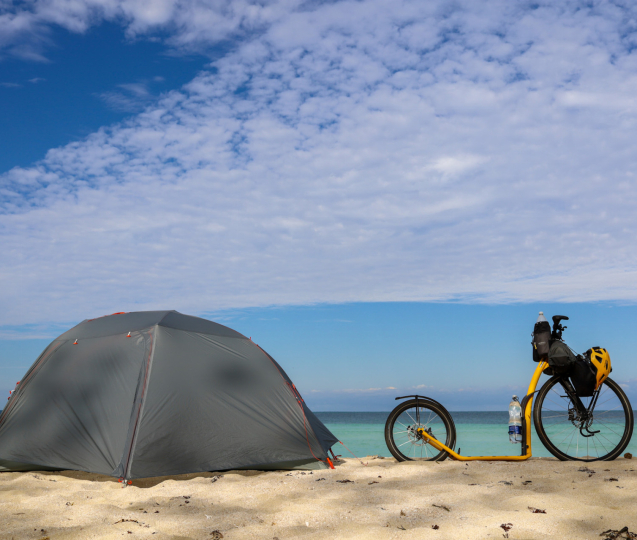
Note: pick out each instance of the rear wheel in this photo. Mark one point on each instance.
(401, 430)
(602, 434)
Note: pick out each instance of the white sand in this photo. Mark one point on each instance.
(384, 500)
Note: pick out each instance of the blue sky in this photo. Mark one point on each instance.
(354, 184)
(87, 81)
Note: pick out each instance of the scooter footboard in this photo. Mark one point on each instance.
(526, 406)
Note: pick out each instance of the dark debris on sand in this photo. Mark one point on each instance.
(611, 534)
(507, 527)
(536, 510)
(586, 470)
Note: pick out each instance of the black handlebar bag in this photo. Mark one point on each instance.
(561, 359)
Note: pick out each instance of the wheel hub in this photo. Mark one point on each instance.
(415, 434)
(581, 420)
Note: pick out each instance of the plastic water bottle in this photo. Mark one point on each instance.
(515, 421)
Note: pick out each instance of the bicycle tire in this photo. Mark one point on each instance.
(416, 413)
(559, 432)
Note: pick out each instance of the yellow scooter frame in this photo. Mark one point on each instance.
(527, 403)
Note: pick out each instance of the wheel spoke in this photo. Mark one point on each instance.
(608, 410)
(557, 404)
(603, 445)
(609, 429)
(611, 397)
(564, 439)
(570, 441)
(569, 425)
(402, 435)
(603, 435)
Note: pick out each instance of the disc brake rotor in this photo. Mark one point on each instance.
(415, 434)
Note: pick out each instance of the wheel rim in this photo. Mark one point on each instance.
(570, 434)
(406, 439)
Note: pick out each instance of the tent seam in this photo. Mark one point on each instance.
(165, 315)
(133, 444)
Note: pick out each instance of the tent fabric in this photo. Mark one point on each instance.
(158, 393)
(118, 323)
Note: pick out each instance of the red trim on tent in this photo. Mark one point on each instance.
(299, 400)
(28, 376)
(118, 313)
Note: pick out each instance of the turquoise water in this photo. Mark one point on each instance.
(478, 434)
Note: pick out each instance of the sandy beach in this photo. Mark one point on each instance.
(383, 499)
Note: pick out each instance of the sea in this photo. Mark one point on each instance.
(484, 433)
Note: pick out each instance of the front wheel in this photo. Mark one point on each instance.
(599, 435)
(401, 430)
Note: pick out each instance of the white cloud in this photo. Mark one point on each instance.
(349, 151)
(453, 165)
(362, 390)
(469, 399)
(128, 97)
(191, 24)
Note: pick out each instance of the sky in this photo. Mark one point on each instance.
(382, 194)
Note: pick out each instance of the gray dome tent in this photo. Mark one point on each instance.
(156, 393)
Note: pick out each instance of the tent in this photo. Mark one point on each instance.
(154, 393)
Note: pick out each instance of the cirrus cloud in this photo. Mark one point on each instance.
(350, 151)
(25, 27)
